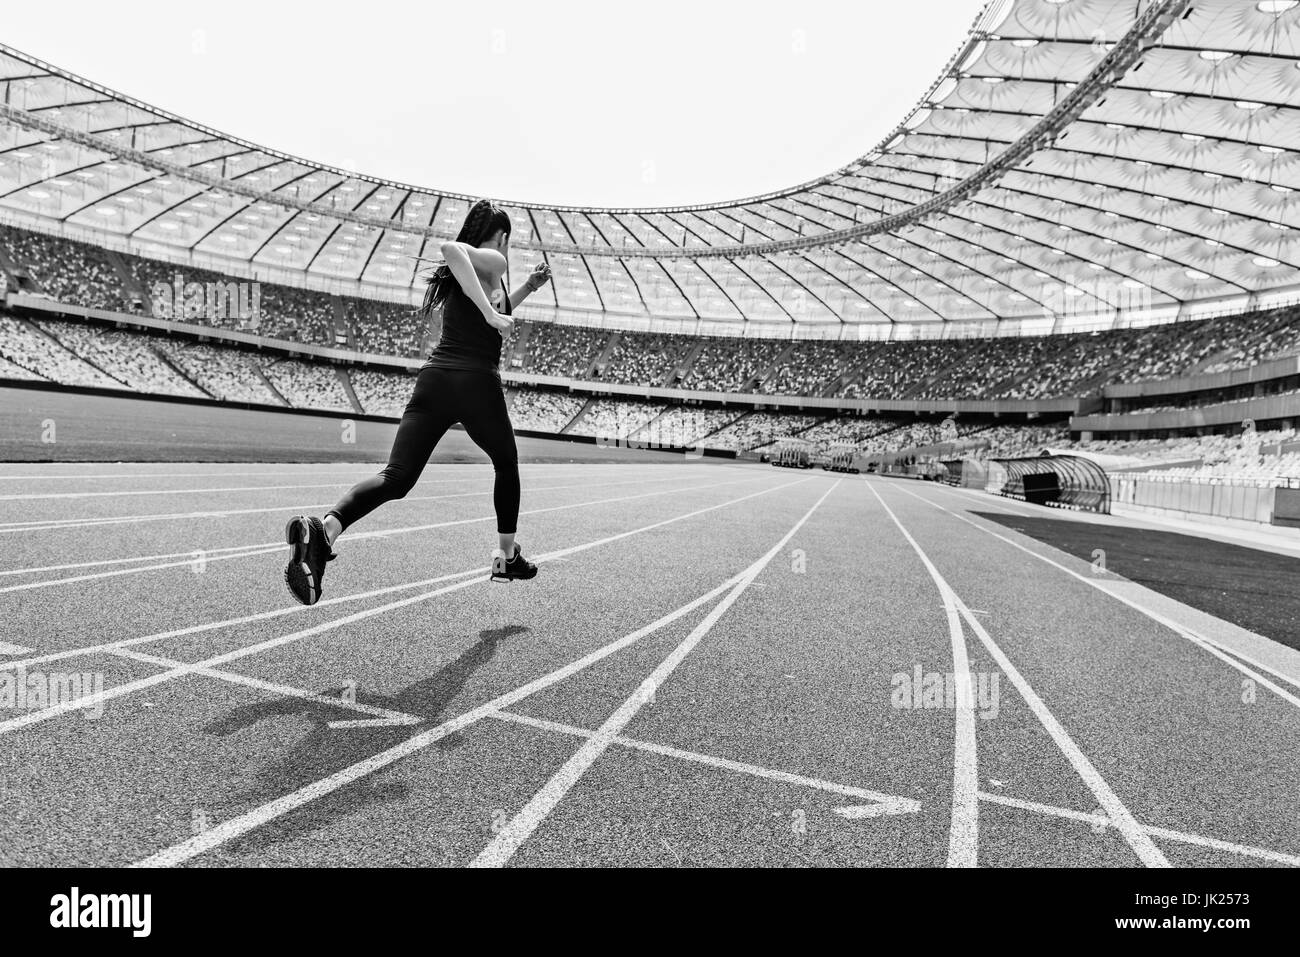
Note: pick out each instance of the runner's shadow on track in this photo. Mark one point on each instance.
(325, 750)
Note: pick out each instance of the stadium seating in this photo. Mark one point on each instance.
(615, 419)
(66, 271)
(850, 430)
(1003, 368)
(566, 351)
(550, 412)
(28, 347)
(127, 356)
(385, 328)
(645, 360)
(382, 393)
(757, 430)
(682, 427)
(228, 375)
(305, 385)
(731, 365)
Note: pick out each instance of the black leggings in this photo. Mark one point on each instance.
(442, 398)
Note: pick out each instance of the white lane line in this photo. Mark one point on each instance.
(251, 820)
(192, 554)
(7, 649)
(110, 647)
(195, 554)
(47, 525)
(138, 569)
(881, 803)
(325, 603)
(162, 491)
(364, 469)
(963, 830)
(1124, 822)
(389, 717)
(266, 547)
(1200, 641)
(357, 470)
(977, 498)
(1213, 648)
(1251, 661)
(510, 837)
(318, 471)
(1183, 837)
(118, 691)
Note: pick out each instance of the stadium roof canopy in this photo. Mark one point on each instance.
(1107, 159)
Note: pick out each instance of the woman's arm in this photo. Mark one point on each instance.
(539, 277)
(467, 264)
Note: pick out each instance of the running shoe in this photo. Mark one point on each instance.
(512, 569)
(311, 550)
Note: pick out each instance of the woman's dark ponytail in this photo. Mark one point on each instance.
(484, 220)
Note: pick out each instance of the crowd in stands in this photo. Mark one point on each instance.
(990, 368)
(1266, 458)
(1020, 441)
(758, 430)
(230, 375)
(382, 393)
(385, 328)
(306, 385)
(915, 435)
(28, 347)
(1282, 339)
(1004, 368)
(899, 367)
(10, 370)
(535, 411)
(615, 419)
(296, 314)
(127, 356)
(88, 355)
(685, 427)
(555, 350)
(850, 430)
(261, 308)
(1204, 449)
(65, 270)
(811, 368)
(731, 365)
(645, 360)
(1263, 471)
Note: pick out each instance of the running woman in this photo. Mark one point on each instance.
(461, 382)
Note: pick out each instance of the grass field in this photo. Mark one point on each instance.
(719, 664)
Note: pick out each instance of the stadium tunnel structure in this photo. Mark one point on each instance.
(1078, 164)
(1060, 480)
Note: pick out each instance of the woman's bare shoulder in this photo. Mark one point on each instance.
(488, 263)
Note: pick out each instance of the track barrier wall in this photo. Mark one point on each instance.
(1219, 499)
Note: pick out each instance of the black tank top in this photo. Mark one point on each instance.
(468, 343)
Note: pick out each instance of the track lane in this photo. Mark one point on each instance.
(1162, 719)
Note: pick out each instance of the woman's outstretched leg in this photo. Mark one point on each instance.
(312, 539)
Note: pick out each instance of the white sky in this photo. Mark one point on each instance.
(592, 103)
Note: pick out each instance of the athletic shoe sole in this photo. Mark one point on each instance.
(298, 535)
(501, 573)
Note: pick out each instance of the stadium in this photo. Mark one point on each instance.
(939, 511)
